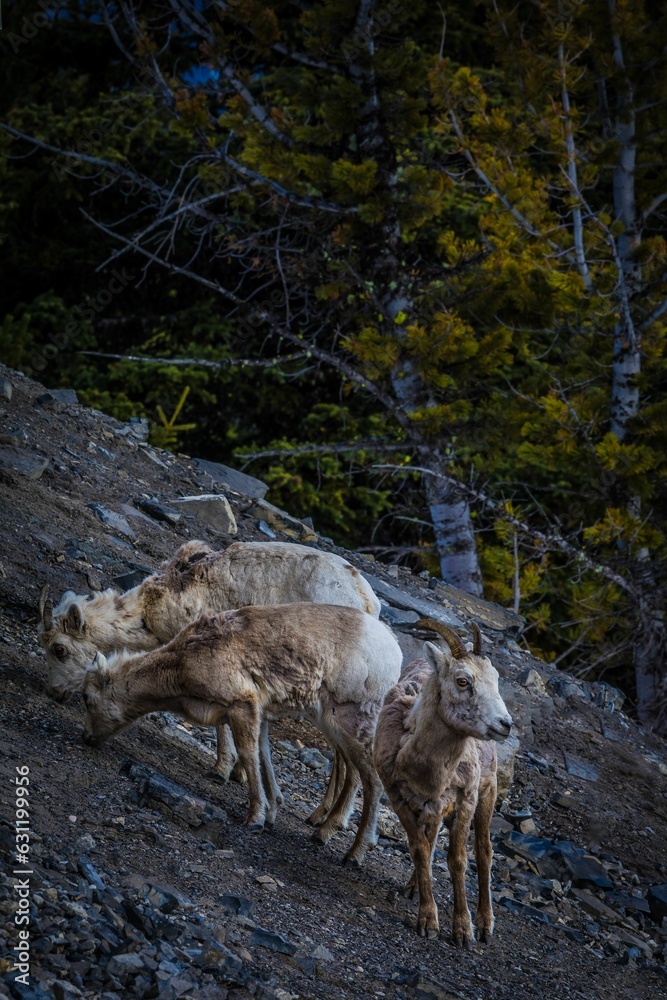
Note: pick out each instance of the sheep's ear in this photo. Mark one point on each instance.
(75, 622)
(99, 671)
(438, 658)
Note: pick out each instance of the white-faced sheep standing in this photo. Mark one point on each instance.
(331, 665)
(435, 756)
(196, 580)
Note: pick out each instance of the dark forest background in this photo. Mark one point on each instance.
(406, 262)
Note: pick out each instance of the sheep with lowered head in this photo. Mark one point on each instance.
(196, 580)
(435, 754)
(331, 665)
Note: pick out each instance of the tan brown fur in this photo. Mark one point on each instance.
(197, 580)
(437, 766)
(329, 664)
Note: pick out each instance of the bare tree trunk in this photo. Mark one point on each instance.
(448, 507)
(454, 535)
(650, 645)
(626, 363)
(649, 657)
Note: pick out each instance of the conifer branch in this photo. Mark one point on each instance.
(547, 539)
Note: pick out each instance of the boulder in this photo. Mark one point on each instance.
(24, 462)
(210, 509)
(280, 520)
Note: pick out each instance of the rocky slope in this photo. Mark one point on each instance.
(143, 882)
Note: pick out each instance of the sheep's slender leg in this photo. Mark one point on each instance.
(245, 721)
(339, 814)
(226, 753)
(366, 831)
(457, 862)
(484, 853)
(334, 788)
(432, 834)
(271, 787)
(420, 841)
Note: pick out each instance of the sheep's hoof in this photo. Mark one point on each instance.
(427, 928)
(352, 862)
(238, 774)
(317, 840)
(216, 776)
(463, 942)
(484, 935)
(255, 827)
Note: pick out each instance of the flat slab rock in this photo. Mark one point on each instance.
(460, 607)
(24, 462)
(240, 482)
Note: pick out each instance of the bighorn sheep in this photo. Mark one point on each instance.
(330, 664)
(194, 581)
(432, 754)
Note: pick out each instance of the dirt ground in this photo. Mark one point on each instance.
(587, 775)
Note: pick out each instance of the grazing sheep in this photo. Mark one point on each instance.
(436, 764)
(194, 581)
(330, 664)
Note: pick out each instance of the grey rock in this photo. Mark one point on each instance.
(65, 396)
(322, 954)
(506, 752)
(65, 991)
(236, 904)
(139, 428)
(311, 757)
(580, 769)
(280, 520)
(17, 438)
(88, 870)
(210, 509)
(531, 679)
(657, 901)
(586, 871)
(604, 695)
(218, 956)
(264, 528)
(5, 389)
(85, 844)
(129, 580)
(164, 901)
(126, 964)
(562, 687)
(400, 599)
(272, 941)
(158, 511)
(112, 520)
(153, 785)
(240, 482)
(396, 617)
(24, 462)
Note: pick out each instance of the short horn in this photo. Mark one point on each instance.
(45, 608)
(450, 637)
(477, 641)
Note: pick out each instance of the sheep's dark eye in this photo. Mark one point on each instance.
(462, 682)
(60, 652)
